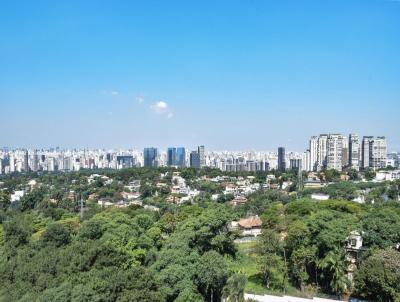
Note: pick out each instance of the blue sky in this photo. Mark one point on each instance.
(228, 74)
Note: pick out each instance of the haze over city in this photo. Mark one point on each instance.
(231, 75)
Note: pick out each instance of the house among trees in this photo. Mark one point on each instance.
(238, 201)
(250, 226)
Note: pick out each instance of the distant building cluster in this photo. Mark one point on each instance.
(336, 151)
(326, 151)
(24, 160)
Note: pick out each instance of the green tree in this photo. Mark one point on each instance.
(334, 266)
(17, 231)
(4, 200)
(273, 270)
(56, 234)
(381, 227)
(189, 294)
(234, 288)
(378, 277)
(302, 259)
(369, 174)
(211, 275)
(32, 199)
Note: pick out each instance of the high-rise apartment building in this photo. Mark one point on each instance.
(334, 152)
(281, 159)
(26, 161)
(318, 152)
(366, 151)
(306, 161)
(379, 153)
(150, 156)
(345, 151)
(12, 163)
(295, 164)
(322, 151)
(354, 151)
(35, 161)
(202, 156)
(313, 153)
(374, 152)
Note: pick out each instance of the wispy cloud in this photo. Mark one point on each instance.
(140, 99)
(161, 107)
(108, 92)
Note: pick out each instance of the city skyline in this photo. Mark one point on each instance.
(331, 151)
(230, 75)
(165, 148)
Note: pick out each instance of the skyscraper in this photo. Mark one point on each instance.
(171, 157)
(345, 151)
(313, 153)
(195, 160)
(306, 161)
(322, 151)
(176, 157)
(180, 157)
(354, 151)
(12, 163)
(281, 159)
(26, 161)
(35, 162)
(150, 156)
(125, 161)
(366, 151)
(202, 156)
(334, 152)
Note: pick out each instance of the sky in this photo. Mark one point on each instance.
(232, 75)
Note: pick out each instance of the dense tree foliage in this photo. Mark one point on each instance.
(51, 251)
(378, 277)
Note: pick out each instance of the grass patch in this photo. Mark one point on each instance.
(246, 264)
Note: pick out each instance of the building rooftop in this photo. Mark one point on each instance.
(251, 222)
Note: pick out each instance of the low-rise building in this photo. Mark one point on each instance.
(387, 175)
(250, 226)
(16, 196)
(238, 201)
(319, 196)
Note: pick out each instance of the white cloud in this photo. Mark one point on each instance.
(114, 92)
(159, 107)
(162, 108)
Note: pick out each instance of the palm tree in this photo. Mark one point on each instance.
(335, 264)
(234, 288)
